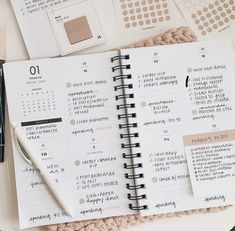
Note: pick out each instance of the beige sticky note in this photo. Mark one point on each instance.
(78, 30)
(209, 138)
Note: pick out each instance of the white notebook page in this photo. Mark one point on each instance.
(68, 109)
(36, 28)
(168, 104)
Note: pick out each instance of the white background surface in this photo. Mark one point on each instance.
(222, 221)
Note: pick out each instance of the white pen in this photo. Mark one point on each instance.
(31, 153)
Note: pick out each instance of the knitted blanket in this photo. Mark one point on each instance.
(178, 35)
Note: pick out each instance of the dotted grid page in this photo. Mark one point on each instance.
(209, 18)
(135, 16)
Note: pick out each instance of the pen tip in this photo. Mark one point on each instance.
(69, 211)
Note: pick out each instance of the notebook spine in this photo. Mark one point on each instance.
(129, 134)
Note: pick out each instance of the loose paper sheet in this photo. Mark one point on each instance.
(209, 19)
(35, 27)
(37, 31)
(60, 15)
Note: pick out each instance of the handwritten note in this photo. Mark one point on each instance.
(68, 109)
(180, 108)
(35, 24)
(179, 91)
(211, 162)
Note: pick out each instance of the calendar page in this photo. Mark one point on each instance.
(185, 110)
(67, 109)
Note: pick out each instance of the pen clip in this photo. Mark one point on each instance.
(24, 154)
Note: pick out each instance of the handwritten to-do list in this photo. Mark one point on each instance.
(184, 92)
(211, 161)
(150, 128)
(67, 112)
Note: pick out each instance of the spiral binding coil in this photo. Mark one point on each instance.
(123, 97)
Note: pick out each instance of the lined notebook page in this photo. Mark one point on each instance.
(169, 104)
(36, 28)
(67, 107)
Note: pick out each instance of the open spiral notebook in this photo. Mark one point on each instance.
(137, 131)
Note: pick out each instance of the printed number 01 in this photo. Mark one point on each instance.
(34, 70)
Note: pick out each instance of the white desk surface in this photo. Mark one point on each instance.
(222, 221)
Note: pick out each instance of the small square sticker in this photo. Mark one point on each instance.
(76, 26)
(78, 30)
